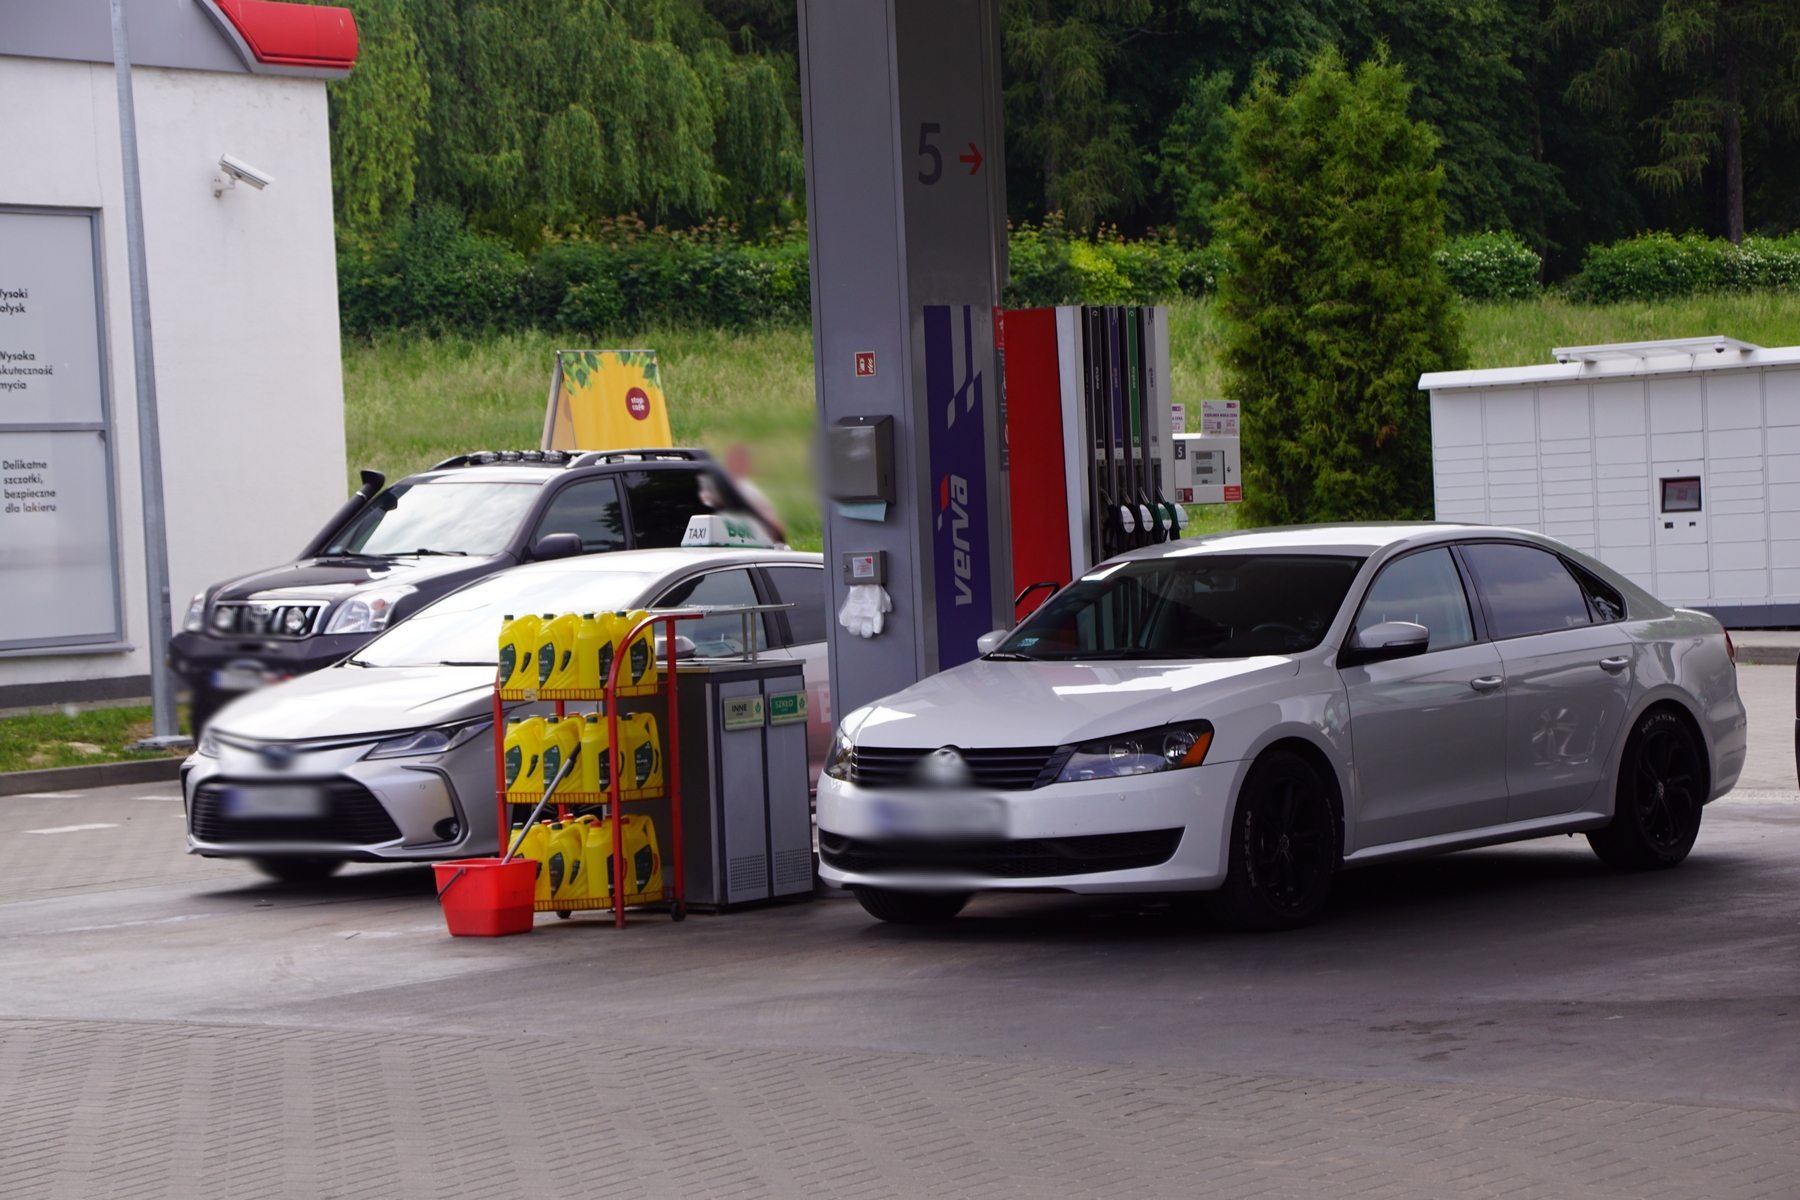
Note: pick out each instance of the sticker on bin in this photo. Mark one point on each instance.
(712, 529)
(787, 708)
(742, 712)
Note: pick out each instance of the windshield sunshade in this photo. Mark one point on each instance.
(1207, 606)
(445, 518)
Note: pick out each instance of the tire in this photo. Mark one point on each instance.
(293, 869)
(910, 908)
(1656, 810)
(1285, 847)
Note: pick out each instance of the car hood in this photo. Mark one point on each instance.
(989, 703)
(346, 701)
(329, 578)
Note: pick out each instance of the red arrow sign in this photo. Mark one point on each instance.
(973, 157)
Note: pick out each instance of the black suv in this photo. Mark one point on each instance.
(389, 553)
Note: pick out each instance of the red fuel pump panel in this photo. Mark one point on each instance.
(1036, 453)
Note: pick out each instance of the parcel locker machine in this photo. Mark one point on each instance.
(1089, 439)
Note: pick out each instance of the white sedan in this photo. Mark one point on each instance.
(1249, 713)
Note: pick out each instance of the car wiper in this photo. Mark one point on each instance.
(352, 554)
(415, 553)
(357, 662)
(1009, 656)
(451, 662)
(1114, 655)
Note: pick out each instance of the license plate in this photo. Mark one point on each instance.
(274, 803)
(236, 679)
(940, 815)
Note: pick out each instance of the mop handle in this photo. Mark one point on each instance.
(568, 765)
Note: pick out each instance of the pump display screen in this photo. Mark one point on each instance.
(1681, 495)
(1205, 606)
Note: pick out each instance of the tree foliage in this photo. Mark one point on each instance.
(1334, 301)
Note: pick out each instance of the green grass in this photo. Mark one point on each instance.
(33, 741)
(411, 400)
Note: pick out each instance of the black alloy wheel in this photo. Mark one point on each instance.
(1656, 810)
(1284, 847)
(910, 908)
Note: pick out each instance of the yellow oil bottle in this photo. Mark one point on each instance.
(566, 851)
(536, 846)
(640, 656)
(643, 859)
(518, 651)
(560, 633)
(561, 737)
(595, 765)
(522, 756)
(593, 651)
(640, 752)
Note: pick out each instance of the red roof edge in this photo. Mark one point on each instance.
(289, 39)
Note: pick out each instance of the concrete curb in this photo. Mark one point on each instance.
(1768, 655)
(63, 779)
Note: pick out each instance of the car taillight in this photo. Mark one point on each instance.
(1730, 650)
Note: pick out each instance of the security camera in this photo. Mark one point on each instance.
(233, 169)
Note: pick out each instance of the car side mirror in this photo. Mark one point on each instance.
(556, 545)
(1390, 639)
(989, 642)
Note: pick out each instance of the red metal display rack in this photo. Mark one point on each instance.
(616, 794)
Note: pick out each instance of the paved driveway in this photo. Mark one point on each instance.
(1507, 1022)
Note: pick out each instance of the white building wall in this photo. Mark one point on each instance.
(244, 305)
(1583, 461)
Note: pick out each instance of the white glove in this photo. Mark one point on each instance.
(863, 607)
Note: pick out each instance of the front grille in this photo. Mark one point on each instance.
(1024, 858)
(1009, 770)
(353, 817)
(289, 622)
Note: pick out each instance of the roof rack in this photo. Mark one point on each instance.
(1717, 343)
(508, 458)
(651, 454)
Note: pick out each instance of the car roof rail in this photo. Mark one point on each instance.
(648, 454)
(508, 458)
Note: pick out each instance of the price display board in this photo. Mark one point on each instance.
(58, 543)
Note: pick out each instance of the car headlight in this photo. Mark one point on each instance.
(1166, 748)
(368, 611)
(841, 760)
(209, 745)
(426, 741)
(195, 621)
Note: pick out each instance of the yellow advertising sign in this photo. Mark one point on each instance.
(606, 400)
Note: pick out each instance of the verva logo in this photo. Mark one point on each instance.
(637, 403)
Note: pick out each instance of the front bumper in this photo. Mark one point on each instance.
(388, 810)
(233, 665)
(988, 838)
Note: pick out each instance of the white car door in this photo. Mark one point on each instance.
(1568, 678)
(1427, 732)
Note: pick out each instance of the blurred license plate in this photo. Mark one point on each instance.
(274, 802)
(940, 815)
(237, 679)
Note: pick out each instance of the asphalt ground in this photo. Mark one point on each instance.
(1514, 1021)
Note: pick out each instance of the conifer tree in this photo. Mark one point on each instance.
(1334, 301)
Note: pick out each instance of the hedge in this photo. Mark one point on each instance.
(1495, 265)
(437, 275)
(1661, 266)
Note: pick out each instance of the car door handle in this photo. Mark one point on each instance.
(1486, 683)
(1615, 665)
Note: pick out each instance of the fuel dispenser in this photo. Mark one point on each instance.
(1091, 449)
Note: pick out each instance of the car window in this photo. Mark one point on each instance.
(463, 628)
(803, 587)
(1425, 589)
(1526, 590)
(1603, 597)
(589, 509)
(444, 516)
(662, 501)
(1205, 606)
(721, 636)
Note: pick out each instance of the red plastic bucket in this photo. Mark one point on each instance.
(484, 897)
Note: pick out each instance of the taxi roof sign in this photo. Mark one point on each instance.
(717, 529)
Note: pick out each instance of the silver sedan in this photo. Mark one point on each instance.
(1247, 714)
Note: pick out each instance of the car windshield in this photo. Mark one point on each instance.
(1208, 606)
(463, 629)
(443, 517)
